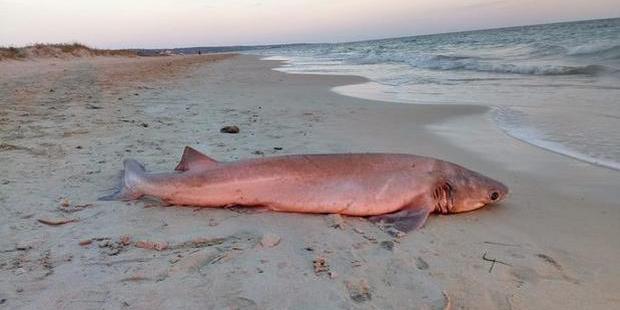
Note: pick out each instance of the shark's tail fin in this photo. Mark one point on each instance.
(133, 174)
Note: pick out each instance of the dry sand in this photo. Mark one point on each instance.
(65, 127)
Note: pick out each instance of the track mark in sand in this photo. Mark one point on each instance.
(493, 261)
(195, 261)
(241, 303)
(84, 299)
(190, 257)
(420, 263)
(550, 260)
(136, 278)
(10, 147)
(5, 147)
(502, 243)
(71, 133)
(120, 261)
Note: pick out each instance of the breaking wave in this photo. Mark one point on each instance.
(605, 51)
(447, 62)
(591, 48)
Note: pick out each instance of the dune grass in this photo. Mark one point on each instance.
(11, 53)
(58, 50)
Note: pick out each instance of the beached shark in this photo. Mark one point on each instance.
(398, 189)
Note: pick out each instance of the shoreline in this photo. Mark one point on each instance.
(555, 233)
(533, 138)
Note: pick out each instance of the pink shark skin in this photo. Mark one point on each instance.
(401, 186)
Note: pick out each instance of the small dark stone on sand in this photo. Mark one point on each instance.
(258, 153)
(309, 249)
(79, 147)
(277, 148)
(229, 129)
(51, 90)
(145, 125)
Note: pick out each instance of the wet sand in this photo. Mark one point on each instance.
(66, 126)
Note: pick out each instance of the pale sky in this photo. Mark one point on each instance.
(183, 23)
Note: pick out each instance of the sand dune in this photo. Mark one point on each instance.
(63, 51)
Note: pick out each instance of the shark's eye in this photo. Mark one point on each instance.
(494, 195)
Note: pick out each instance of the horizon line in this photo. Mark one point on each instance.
(267, 45)
(377, 39)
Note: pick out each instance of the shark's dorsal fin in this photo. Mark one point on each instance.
(193, 159)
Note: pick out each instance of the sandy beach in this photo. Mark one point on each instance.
(66, 126)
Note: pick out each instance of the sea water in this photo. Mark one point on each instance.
(556, 86)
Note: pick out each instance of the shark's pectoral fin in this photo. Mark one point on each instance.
(192, 159)
(405, 220)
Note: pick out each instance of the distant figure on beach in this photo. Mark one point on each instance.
(398, 189)
(199, 52)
